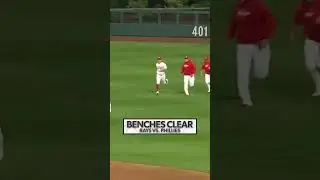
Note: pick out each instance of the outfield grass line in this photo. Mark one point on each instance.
(161, 43)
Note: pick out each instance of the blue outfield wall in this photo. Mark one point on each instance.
(152, 30)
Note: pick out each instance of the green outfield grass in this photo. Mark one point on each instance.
(132, 95)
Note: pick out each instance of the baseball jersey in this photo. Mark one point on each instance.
(188, 68)
(161, 67)
(206, 67)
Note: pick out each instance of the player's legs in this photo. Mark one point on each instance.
(207, 81)
(164, 79)
(191, 81)
(245, 54)
(311, 52)
(261, 62)
(318, 58)
(158, 81)
(1, 145)
(186, 80)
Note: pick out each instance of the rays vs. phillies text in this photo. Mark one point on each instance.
(159, 126)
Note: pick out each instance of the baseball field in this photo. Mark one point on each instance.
(132, 95)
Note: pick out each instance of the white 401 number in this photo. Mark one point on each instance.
(200, 31)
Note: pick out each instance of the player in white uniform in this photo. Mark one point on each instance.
(161, 73)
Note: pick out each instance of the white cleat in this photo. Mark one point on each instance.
(316, 94)
(157, 92)
(187, 94)
(166, 81)
(247, 104)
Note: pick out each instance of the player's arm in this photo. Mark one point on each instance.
(317, 12)
(232, 26)
(194, 68)
(270, 22)
(298, 21)
(182, 69)
(165, 67)
(202, 69)
(316, 17)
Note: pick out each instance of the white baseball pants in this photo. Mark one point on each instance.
(312, 61)
(188, 81)
(248, 54)
(160, 78)
(207, 78)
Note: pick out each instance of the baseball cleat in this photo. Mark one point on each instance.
(247, 104)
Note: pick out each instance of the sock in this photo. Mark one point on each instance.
(316, 79)
(208, 85)
(157, 87)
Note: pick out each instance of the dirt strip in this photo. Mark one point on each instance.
(125, 171)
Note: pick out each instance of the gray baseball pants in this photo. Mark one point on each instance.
(1, 145)
(312, 61)
(251, 56)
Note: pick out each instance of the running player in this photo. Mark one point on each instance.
(161, 73)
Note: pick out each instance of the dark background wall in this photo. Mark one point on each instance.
(54, 92)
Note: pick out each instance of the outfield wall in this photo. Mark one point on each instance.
(151, 30)
(151, 22)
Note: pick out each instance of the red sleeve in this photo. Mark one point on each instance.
(232, 26)
(194, 68)
(202, 67)
(315, 17)
(316, 10)
(299, 16)
(269, 20)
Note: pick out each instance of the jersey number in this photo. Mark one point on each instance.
(200, 31)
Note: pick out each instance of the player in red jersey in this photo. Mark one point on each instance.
(252, 26)
(307, 16)
(188, 69)
(192, 79)
(205, 69)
